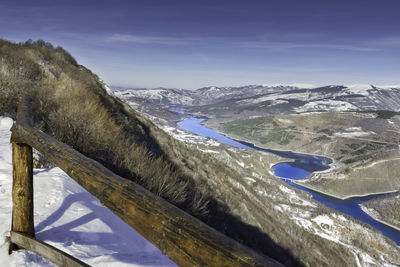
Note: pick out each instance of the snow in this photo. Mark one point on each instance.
(250, 180)
(326, 105)
(285, 120)
(367, 259)
(393, 86)
(358, 129)
(282, 208)
(208, 151)
(190, 138)
(324, 220)
(353, 132)
(361, 89)
(69, 218)
(371, 212)
(298, 85)
(294, 198)
(277, 98)
(306, 224)
(108, 90)
(240, 163)
(286, 190)
(339, 217)
(173, 96)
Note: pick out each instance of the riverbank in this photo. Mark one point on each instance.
(302, 183)
(377, 218)
(217, 127)
(256, 144)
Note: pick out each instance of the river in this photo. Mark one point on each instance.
(300, 168)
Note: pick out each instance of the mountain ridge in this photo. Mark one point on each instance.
(255, 100)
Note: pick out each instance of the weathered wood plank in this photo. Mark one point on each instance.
(22, 189)
(56, 256)
(185, 239)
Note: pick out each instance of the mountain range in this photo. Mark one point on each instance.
(272, 99)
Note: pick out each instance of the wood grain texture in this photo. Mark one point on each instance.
(185, 239)
(46, 251)
(22, 189)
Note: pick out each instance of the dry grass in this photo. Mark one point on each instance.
(387, 207)
(72, 105)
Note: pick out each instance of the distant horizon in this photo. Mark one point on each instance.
(301, 86)
(193, 44)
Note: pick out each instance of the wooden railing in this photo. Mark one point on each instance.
(186, 240)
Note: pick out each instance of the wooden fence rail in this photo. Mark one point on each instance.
(51, 253)
(186, 240)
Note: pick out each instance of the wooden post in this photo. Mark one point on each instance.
(22, 189)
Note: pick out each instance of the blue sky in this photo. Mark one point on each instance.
(191, 44)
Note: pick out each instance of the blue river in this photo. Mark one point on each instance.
(300, 168)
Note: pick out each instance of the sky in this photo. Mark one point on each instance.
(191, 44)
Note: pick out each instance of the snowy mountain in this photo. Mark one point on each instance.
(275, 98)
(202, 96)
(161, 96)
(340, 98)
(213, 94)
(327, 98)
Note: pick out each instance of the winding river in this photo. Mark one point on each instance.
(300, 168)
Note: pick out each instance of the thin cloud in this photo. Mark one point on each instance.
(290, 36)
(141, 39)
(203, 57)
(282, 43)
(285, 46)
(393, 41)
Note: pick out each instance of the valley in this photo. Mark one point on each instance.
(364, 147)
(358, 127)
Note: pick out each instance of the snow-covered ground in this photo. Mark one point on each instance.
(188, 137)
(69, 218)
(326, 105)
(354, 132)
(171, 96)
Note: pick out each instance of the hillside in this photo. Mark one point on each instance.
(355, 125)
(73, 105)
